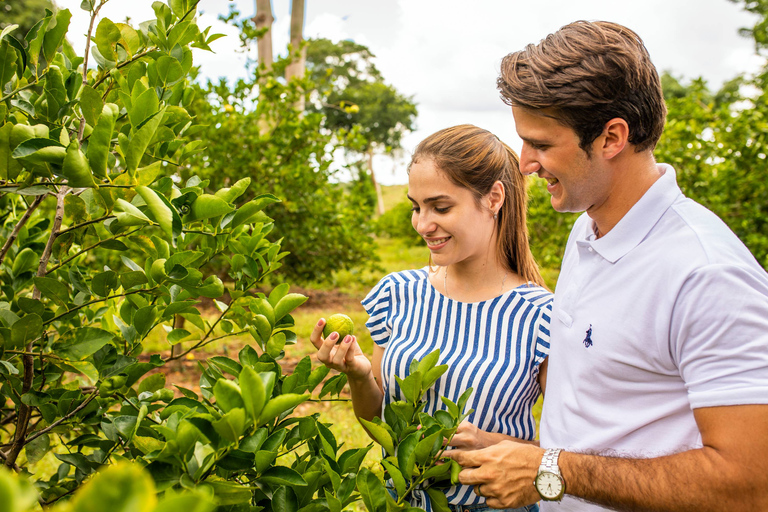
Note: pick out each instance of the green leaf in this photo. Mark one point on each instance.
(55, 36)
(99, 143)
(426, 447)
(249, 210)
(281, 475)
(380, 434)
(253, 392)
(76, 168)
(37, 448)
(438, 500)
(429, 361)
(106, 37)
(177, 335)
(36, 36)
(25, 261)
(372, 491)
(152, 383)
(26, 329)
(53, 289)
(411, 386)
(288, 304)
(158, 209)
(280, 404)
(7, 62)
(90, 104)
(433, 374)
(228, 395)
(132, 216)
(229, 194)
(122, 487)
(81, 342)
(397, 477)
(207, 206)
(231, 425)
(133, 278)
(104, 282)
(41, 151)
(406, 453)
(146, 105)
(169, 70)
(140, 139)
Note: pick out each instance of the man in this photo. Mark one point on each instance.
(657, 388)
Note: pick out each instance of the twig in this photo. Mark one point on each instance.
(88, 223)
(23, 220)
(91, 247)
(95, 301)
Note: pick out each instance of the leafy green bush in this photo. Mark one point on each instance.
(414, 443)
(103, 244)
(396, 223)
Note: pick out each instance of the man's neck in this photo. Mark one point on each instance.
(634, 174)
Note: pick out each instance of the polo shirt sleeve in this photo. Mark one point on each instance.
(719, 336)
(378, 304)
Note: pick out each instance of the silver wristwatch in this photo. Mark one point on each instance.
(549, 481)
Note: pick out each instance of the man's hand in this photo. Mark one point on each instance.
(502, 473)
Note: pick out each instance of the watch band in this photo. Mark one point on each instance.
(549, 460)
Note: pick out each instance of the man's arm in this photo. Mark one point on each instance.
(730, 472)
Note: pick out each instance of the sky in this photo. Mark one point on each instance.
(446, 54)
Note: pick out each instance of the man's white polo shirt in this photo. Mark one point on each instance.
(666, 313)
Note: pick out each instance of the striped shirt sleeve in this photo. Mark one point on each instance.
(542, 340)
(378, 304)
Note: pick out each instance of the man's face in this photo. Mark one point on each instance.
(576, 181)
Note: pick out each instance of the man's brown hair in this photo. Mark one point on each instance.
(586, 74)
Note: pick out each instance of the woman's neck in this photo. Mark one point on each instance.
(474, 281)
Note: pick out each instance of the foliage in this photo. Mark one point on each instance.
(396, 223)
(548, 230)
(718, 146)
(24, 13)
(758, 32)
(414, 442)
(287, 154)
(103, 244)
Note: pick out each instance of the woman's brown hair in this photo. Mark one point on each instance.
(475, 159)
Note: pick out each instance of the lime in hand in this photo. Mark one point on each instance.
(339, 323)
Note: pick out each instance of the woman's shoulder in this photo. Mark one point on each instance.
(406, 276)
(537, 295)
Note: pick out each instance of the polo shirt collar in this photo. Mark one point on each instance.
(638, 221)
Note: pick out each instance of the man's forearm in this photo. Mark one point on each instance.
(699, 480)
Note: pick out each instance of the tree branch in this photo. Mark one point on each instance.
(91, 247)
(19, 225)
(61, 420)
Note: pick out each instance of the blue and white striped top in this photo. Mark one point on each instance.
(494, 346)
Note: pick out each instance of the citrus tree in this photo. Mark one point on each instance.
(104, 246)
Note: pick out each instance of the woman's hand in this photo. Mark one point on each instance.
(346, 357)
(469, 437)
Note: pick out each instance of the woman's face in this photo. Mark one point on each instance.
(448, 218)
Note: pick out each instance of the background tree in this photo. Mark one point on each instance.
(353, 95)
(24, 13)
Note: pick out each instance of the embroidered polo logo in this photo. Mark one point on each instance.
(588, 339)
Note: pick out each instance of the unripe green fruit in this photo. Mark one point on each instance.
(339, 323)
(20, 133)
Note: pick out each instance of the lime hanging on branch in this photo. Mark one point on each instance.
(339, 323)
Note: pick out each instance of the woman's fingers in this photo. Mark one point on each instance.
(317, 333)
(326, 349)
(342, 349)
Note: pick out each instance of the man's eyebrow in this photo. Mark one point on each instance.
(430, 199)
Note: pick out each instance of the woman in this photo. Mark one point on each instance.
(481, 300)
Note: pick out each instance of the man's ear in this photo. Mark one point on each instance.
(614, 139)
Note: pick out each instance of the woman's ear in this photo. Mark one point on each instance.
(495, 197)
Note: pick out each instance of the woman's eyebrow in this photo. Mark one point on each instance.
(431, 199)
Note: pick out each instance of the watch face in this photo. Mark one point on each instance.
(549, 485)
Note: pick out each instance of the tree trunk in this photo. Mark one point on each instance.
(379, 196)
(298, 62)
(264, 19)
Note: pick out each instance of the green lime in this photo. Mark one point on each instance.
(339, 323)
